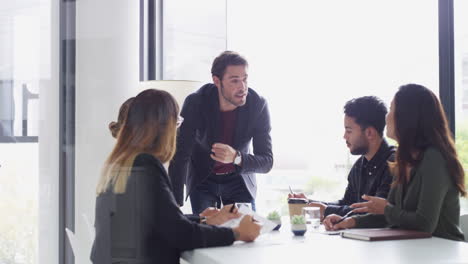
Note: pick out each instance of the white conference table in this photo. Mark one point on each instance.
(283, 247)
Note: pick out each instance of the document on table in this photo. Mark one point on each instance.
(321, 230)
(267, 225)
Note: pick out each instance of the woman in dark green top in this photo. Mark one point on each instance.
(428, 177)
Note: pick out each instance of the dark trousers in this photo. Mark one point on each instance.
(220, 189)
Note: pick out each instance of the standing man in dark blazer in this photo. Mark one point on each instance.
(221, 120)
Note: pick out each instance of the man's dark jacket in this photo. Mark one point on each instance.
(366, 177)
(192, 163)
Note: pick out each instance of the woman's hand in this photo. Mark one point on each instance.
(220, 217)
(210, 211)
(248, 230)
(374, 205)
(335, 222)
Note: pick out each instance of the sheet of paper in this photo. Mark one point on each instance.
(267, 225)
(321, 230)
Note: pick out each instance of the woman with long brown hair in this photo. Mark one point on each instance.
(137, 218)
(428, 177)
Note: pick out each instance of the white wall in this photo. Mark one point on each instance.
(107, 70)
(48, 247)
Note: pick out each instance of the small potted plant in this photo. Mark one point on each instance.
(275, 218)
(298, 225)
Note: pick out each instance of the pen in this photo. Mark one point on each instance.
(232, 208)
(344, 217)
(290, 190)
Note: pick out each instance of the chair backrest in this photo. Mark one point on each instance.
(89, 227)
(464, 225)
(72, 239)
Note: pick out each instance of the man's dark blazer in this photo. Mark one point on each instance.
(192, 163)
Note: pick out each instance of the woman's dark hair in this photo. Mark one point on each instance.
(420, 123)
(225, 59)
(367, 111)
(114, 127)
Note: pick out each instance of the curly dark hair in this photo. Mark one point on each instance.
(368, 111)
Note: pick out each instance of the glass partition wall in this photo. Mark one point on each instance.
(29, 182)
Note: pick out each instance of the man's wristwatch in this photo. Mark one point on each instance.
(238, 159)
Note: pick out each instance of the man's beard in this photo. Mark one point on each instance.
(230, 100)
(362, 147)
(361, 150)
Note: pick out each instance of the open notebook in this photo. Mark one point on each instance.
(378, 234)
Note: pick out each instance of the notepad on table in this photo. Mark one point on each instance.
(379, 234)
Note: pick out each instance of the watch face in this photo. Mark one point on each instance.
(237, 160)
